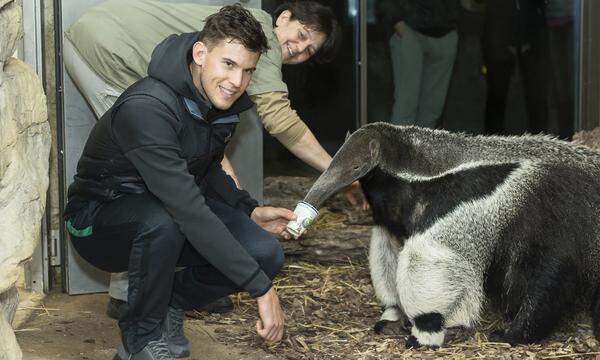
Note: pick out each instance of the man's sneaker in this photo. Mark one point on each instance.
(154, 350)
(219, 306)
(116, 308)
(179, 345)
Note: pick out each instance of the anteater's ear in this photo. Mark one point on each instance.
(374, 149)
(347, 136)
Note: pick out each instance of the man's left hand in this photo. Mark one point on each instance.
(273, 220)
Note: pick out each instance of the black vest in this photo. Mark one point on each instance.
(103, 172)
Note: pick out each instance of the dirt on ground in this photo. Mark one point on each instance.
(330, 312)
(66, 327)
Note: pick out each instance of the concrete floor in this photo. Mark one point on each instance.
(59, 326)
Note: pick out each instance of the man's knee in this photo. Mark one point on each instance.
(158, 225)
(270, 256)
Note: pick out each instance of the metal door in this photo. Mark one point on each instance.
(75, 121)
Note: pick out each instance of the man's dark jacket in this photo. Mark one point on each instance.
(510, 25)
(161, 136)
(434, 18)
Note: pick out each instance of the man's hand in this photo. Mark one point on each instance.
(271, 323)
(351, 190)
(228, 168)
(273, 220)
(399, 28)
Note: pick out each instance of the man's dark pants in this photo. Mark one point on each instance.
(135, 233)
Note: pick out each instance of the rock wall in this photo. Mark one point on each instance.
(24, 151)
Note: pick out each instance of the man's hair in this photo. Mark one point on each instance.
(236, 23)
(316, 17)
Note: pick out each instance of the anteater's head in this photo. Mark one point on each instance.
(359, 154)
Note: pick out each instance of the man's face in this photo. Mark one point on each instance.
(225, 72)
(298, 42)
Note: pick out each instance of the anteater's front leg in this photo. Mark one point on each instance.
(438, 289)
(383, 261)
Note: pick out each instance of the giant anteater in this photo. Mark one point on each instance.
(460, 219)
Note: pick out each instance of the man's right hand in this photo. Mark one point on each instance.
(271, 323)
(273, 220)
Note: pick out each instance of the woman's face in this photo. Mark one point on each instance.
(298, 42)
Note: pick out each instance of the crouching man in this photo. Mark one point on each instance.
(150, 194)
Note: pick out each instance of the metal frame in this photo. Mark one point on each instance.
(32, 35)
(588, 90)
(75, 120)
(358, 10)
(362, 64)
(37, 269)
(57, 5)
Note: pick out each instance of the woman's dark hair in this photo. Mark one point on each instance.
(234, 22)
(317, 17)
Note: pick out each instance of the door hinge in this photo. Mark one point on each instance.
(54, 248)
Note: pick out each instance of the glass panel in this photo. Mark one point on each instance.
(481, 66)
(324, 95)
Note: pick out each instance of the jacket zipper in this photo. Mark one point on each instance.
(210, 131)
